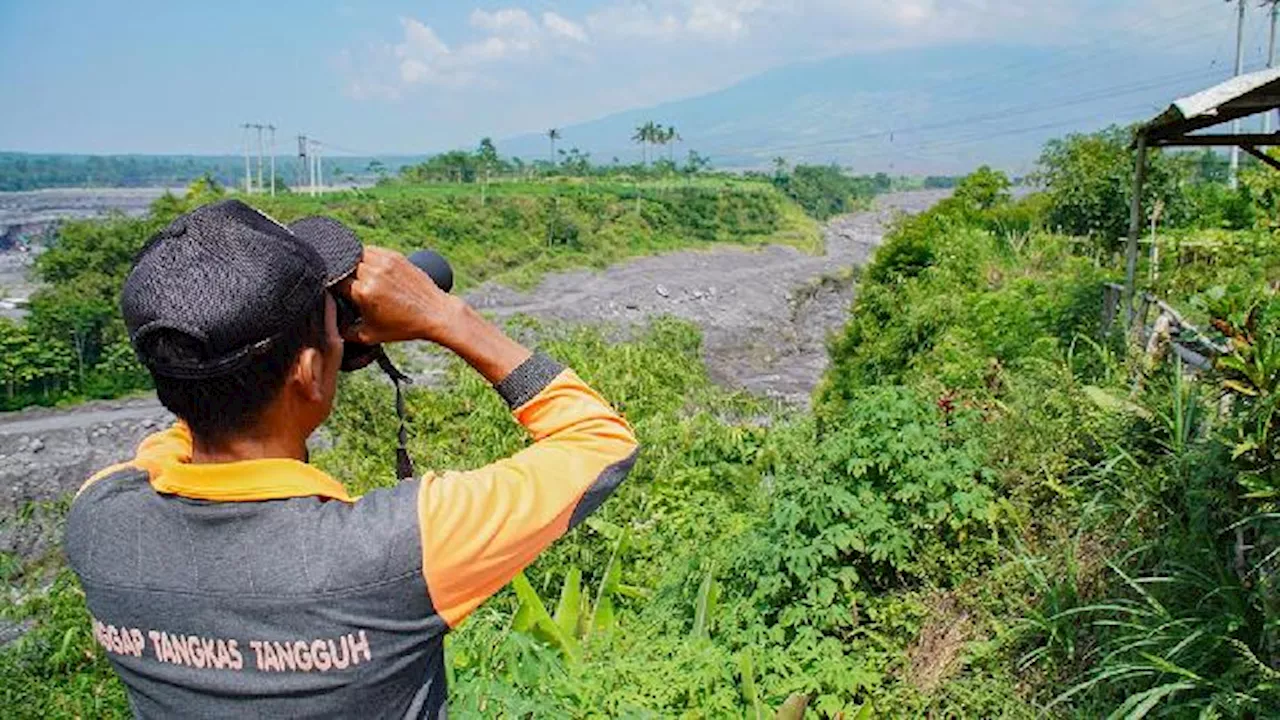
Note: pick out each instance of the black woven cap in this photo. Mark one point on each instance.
(229, 278)
(337, 245)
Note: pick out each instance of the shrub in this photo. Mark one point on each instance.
(1089, 181)
(889, 491)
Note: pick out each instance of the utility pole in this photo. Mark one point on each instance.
(319, 154)
(272, 128)
(309, 153)
(259, 128)
(304, 162)
(1271, 57)
(1235, 125)
(248, 179)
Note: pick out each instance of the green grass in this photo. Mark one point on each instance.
(515, 232)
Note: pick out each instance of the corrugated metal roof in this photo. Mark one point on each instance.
(1238, 97)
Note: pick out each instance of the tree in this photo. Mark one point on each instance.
(643, 134)
(1089, 181)
(658, 136)
(15, 345)
(376, 168)
(984, 188)
(696, 163)
(487, 158)
(553, 135)
(77, 313)
(576, 162)
(779, 166)
(669, 138)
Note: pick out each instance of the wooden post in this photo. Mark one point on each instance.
(1135, 227)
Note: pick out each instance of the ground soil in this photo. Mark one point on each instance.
(765, 315)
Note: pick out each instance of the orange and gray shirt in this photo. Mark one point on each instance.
(260, 588)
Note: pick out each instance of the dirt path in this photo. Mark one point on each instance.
(765, 314)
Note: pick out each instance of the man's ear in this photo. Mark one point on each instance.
(308, 373)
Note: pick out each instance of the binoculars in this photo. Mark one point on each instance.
(358, 355)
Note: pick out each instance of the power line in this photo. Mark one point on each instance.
(1063, 71)
(956, 90)
(919, 150)
(1100, 94)
(348, 151)
(1009, 112)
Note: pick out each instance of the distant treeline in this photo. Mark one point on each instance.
(32, 171)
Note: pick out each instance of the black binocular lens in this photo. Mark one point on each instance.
(348, 315)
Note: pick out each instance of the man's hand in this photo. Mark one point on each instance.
(397, 302)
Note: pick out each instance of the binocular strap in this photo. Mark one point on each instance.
(404, 464)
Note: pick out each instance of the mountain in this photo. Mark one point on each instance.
(941, 110)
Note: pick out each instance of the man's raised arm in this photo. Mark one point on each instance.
(479, 528)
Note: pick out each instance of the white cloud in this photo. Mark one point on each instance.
(507, 21)
(420, 39)
(709, 43)
(702, 19)
(563, 27)
(631, 20)
(914, 12)
(490, 50)
(422, 57)
(721, 19)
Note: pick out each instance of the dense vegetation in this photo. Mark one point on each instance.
(824, 191)
(994, 509)
(73, 344)
(34, 171)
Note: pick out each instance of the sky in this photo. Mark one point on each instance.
(369, 77)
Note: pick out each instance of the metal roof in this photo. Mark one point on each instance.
(1239, 97)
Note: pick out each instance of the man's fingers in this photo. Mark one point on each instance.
(355, 333)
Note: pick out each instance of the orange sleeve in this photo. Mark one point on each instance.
(480, 528)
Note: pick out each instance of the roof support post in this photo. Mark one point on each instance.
(1263, 157)
(1135, 227)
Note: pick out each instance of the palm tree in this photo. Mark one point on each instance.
(659, 135)
(670, 138)
(650, 133)
(553, 135)
(643, 133)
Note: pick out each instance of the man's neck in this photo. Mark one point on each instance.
(248, 447)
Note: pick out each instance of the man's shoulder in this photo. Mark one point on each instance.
(107, 492)
(386, 514)
(117, 472)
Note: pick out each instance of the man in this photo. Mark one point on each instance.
(227, 577)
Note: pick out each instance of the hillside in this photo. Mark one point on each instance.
(974, 104)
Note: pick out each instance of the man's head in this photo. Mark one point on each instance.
(230, 311)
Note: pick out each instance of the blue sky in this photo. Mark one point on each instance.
(384, 77)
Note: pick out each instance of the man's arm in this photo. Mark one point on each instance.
(480, 528)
